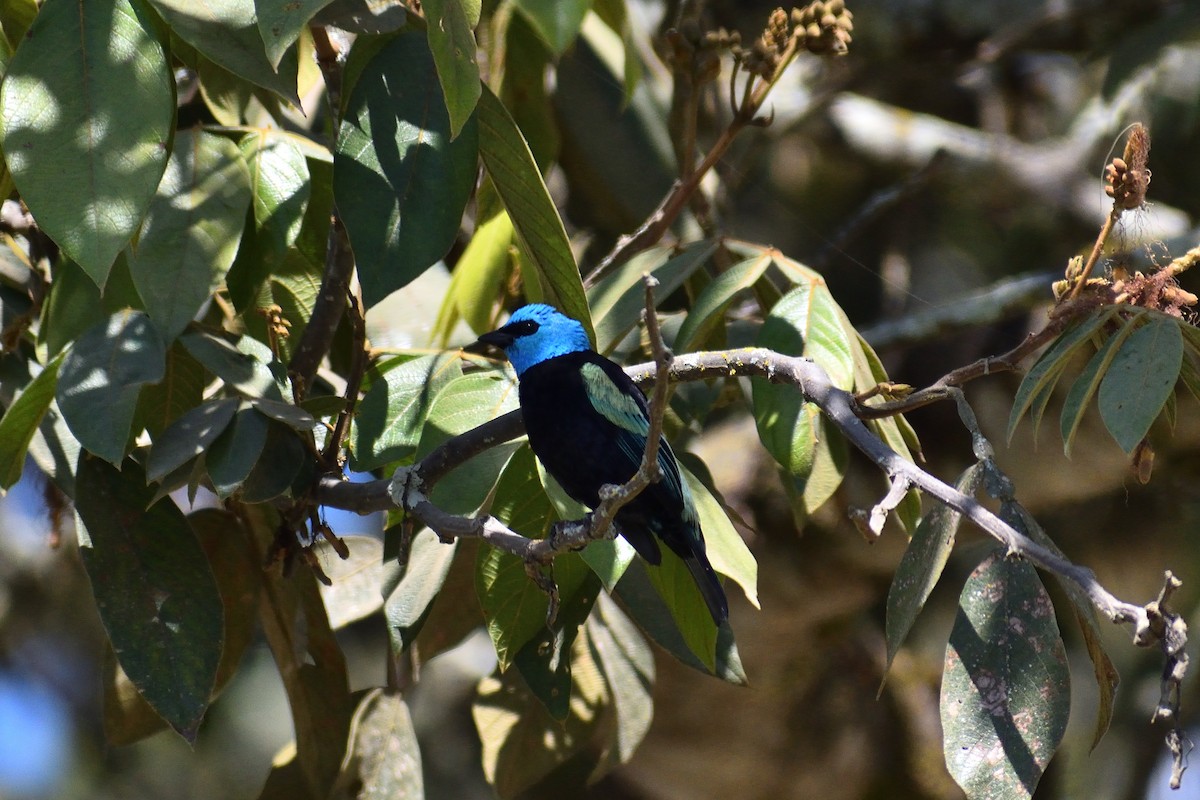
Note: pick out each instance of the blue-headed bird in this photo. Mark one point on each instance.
(587, 423)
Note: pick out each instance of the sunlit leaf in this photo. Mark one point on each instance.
(21, 420)
(280, 185)
(400, 181)
(383, 758)
(88, 93)
(1085, 386)
(409, 589)
(717, 296)
(556, 21)
(1140, 379)
(452, 40)
(280, 23)
(628, 666)
(1006, 687)
(388, 423)
(189, 436)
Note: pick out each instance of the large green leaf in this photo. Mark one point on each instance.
(478, 277)
(86, 110)
(556, 21)
(717, 296)
(400, 181)
(181, 389)
(922, 564)
(76, 303)
(726, 549)
(1140, 379)
(234, 453)
(154, 590)
(227, 31)
(101, 376)
(410, 589)
(805, 322)
(191, 232)
(519, 183)
(1006, 689)
(21, 420)
(280, 184)
(388, 424)
(628, 666)
(452, 40)
(244, 372)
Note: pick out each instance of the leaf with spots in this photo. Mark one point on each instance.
(1006, 690)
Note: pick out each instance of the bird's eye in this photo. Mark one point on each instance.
(523, 328)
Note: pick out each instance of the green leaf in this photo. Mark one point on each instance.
(628, 666)
(227, 32)
(477, 279)
(101, 376)
(399, 180)
(922, 564)
(717, 296)
(411, 588)
(678, 589)
(1006, 690)
(234, 453)
(16, 16)
(513, 605)
(243, 372)
(277, 466)
(1140, 379)
(452, 40)
(615, 15)
(1106, 674)
(181, 389)
(726, 549)
(510, 164)
(289, 414)
(280, 185)
(462, 404)
(1045, 372)
(618, 300)
(556, 21)
(647, 608)
(154, 590)
(21, 420)
(391, 417)
(280, 23)
(805, 322)
(76, 303)
(383, 758)
(188, 437)
(1088, 382)
(86, 110)
(192, 227)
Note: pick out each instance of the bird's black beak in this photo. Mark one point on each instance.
(498, 338)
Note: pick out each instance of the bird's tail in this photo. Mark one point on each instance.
(709, 586)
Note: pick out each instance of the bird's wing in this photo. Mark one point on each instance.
(626, 409)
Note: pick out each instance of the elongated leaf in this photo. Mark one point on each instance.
(677, 588)
(1140, 379)
(383, 758)
(618, 300)
(400, 181)
(921, 566)
(726, 549)
(1088, 382)
(280, 23)
(556, 21)
(1006, 688)
(101, 376)
(192, 227)
(511, 166)
(234, 453)
(717, 296)
(478, 276)
(392, 414)
(154, 590)
(452, 40)
(1042, 376)
(281, 459)
(411, 588)
(806, 321)
(280, 185)
(243, 372)
(21, 420)
(86, 110)
(189, 436)
(227, 31)
(628, 666)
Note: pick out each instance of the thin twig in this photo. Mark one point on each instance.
(358, 367)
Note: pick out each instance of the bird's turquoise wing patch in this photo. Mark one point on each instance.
(624, 411)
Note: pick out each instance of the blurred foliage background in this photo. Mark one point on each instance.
(959, 145)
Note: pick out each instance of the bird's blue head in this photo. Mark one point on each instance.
(537, 332)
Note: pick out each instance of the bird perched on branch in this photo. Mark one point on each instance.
(587, 423)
